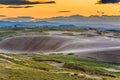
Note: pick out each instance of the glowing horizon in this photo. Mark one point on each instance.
(62, 8)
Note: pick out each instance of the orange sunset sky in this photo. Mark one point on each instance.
(62, 8)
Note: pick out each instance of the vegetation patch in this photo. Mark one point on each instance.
(36, 67)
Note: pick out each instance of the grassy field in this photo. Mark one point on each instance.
(12, 32)
(40, 67)
(53, 66)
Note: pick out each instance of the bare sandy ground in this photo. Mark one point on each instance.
(112, 70)
(99, 47)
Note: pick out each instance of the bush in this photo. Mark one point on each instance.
(70, 53)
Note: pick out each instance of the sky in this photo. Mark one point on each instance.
(52, 8)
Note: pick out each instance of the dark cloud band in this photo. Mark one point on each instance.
(63, 11)
(17, 6)
(109, 1)
(23, 2)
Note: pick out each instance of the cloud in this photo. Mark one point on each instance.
(63, 11)
(108, 1)
(1, 7)
(19, 19)
(24, 2)
(25, 17)
(28, 6)
(2, 16)
(101, 12)
(18, 6)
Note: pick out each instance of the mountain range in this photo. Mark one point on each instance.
(99, 22)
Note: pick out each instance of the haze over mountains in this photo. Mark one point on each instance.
(94, 21)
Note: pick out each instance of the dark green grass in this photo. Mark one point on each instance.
(89, 66)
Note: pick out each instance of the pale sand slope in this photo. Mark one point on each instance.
(102, 48)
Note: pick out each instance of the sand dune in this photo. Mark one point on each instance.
(101, 48)
(32, 44)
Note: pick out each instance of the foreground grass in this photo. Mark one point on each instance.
(15, 72)
(38, 67)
